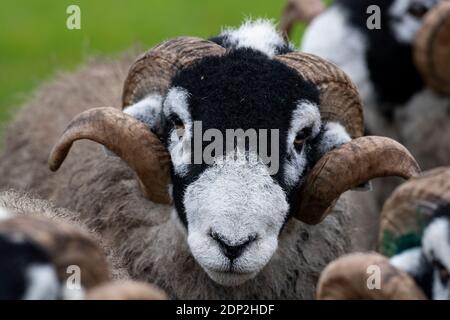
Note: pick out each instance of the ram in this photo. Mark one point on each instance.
(226, 229)
(401, 67)
(415, 235)
(41, 253)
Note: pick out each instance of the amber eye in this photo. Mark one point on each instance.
(417, 10)
(444, 274)
(302, 135)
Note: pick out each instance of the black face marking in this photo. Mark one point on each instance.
(391, 65)
(15, 258)
(242, 90)
(424, 276)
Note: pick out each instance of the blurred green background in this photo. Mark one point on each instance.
(35, 43)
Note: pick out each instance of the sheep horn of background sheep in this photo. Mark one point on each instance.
(432, 48)
(346, 279)
(299, 10)
(400, 215)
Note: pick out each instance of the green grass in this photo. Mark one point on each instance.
(35, 43)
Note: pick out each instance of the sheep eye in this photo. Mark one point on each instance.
(444, 274)
(302, 135)
(176, 122)
(417, 10)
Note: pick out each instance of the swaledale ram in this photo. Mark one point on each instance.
(415, 235)
(42, 253)
(227, 229)
(398, 54)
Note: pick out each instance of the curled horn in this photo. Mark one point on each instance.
(128, 138)
(299, 10)
(348, 166)
(339, 97)
(153, 71)
(347, 279)
(432, 48)
(403, 213)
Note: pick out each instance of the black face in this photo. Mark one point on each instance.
(15, 258)
(390, 62)
(242, 90)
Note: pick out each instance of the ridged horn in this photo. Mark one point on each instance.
(339, 97)
(432, 48)
(127, 137)
(153, 71)
(348, 166)
(400, 217)
(347, 279)
(299, 11)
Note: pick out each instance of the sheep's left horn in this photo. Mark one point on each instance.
(347, 279)
(127, 137)
(348, 166)
(299, 11)
(432, 48)
(339, 97)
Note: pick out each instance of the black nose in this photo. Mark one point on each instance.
(229, 249)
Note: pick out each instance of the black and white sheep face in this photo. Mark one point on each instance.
(430, 264)
(26, 271)
(436, 247)
(235, 201)
(406, 17)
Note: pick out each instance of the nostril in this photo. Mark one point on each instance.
(232, 251)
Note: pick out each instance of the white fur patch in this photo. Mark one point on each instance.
(235, 198)
(42, 283)
(330, 36)
(335, 135)
(305, 115)
(259, 35)
(408, 261)
(148, 111)
(5, 213)
(436, 245)
(176, 102)
(404, 24)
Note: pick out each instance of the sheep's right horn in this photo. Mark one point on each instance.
(347, 278)
(432, 48)
(129, 138)
(153, 71)
(348, 166)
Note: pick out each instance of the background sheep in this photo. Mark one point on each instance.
(390, 67)
(415, 235)
(42, 253)
(147, 236)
